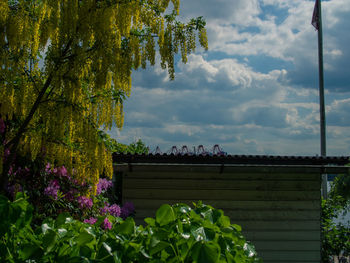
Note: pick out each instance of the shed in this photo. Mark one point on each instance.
(276, 199)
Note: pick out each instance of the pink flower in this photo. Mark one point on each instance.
(106, 224)
(70, 195)
(103, 185)
(113, 210)
(52, 189)
(105, 209)
(62, 171)
(11, 170)
(7, 153)
(90, 221)
(48, 168)
(85, 202)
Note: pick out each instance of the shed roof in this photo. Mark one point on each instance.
(231, 159)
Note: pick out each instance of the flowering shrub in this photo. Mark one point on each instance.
(90, 221)
(84, 202)
(103, 185)
(113, 210)
(53, 190)
(107, 224)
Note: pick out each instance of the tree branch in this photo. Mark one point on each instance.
(14, 142)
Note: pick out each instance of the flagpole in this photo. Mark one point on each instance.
(321, 83)
(321, 93)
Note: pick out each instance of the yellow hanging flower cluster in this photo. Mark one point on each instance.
(66, 68)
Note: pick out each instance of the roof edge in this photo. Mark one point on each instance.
(231, 159)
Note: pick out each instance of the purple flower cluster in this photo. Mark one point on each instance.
(52, 189)
(103, 185)
(113, 210)
(106, 224)
(48, 168)
(7, 153)
(59, 171)
(127, 210)
(70, 195)
(85, 202)
(19, 172)
(90, 221)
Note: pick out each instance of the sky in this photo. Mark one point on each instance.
(255, 91)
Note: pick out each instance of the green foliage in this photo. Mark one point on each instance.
(341, 186)
(177, 234)
(137, 147)
(335, 236)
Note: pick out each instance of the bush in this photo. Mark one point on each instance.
(176, 234)
(52, 191)
(335, 235)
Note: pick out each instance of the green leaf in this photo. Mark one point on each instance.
(28, 250)
(218, 215)
(127, 227)
(224, 221)
(237, 227)
(49, 240)
(144, 253)
(45, 228)
(158, 245)
(61, 219)
(198, 233)
(182, 208)
(165, 215)
(20, 211)
(64, 250)
(184, 249)
(3, 201)
(84, 238)
(62, 232)
(249, 250)
(104, 254)
(4, 213)
(150, 221)
(28, 215)
(107, 248)
(208, 214)
(209, 234)
(206, 252)
(19, 196)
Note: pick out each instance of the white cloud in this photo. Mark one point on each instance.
(221, 11)
(240, 94)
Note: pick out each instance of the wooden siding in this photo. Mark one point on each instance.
(279, 211)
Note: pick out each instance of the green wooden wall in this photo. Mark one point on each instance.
(278, 208)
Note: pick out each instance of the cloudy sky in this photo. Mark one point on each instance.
(256, 90)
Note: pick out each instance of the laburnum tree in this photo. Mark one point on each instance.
(66, 69)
